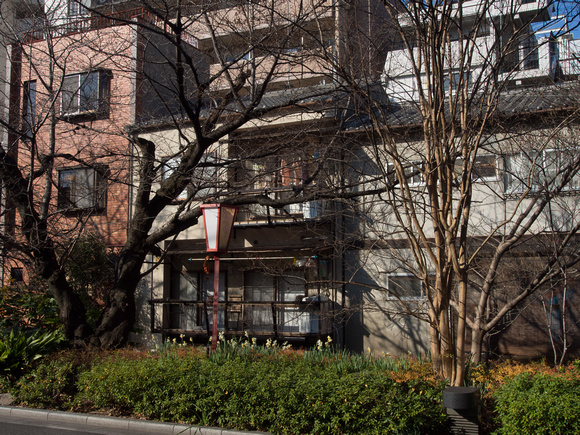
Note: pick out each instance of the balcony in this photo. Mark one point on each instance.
(298, 212)
(81, 24)
(305, 319)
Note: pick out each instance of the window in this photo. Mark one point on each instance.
(405, 286)
(278, 168)
(537, 170)
(274, 171)
(485, 168)
(82, 189)
(288, 287)
(413, 173)
(237, 54)
(194, 287)
(170, 165)
(554, 54)
(28, 107)
(455, 81)
(259, 287)
(85, 93)
(520, 173)
(483, 29)
(530, 53)
(78, 8)
(203, 179)
(204, 176)
(555, 163)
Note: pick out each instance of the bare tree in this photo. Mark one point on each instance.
(91, 86)
(470, 174)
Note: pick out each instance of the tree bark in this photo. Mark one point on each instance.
(71, 310)
(118, 319)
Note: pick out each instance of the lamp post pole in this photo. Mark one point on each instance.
(216, 293)
(218, 221)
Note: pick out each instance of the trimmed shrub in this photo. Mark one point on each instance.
(539, 404)
(50, 385)
(53, 382)
(278, 393)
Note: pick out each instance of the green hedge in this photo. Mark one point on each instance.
(539, 404)
(275, 393)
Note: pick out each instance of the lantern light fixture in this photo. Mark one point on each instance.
(218, 221)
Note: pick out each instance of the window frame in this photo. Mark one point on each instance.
(413, 180)
(206, 160)
(475, 177)
(29, 95)
(98, 189)
(538, 159)
(93, 103)
(391, 293)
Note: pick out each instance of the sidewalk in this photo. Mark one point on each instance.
(21, 420)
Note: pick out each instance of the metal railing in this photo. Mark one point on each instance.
(259, 318)
(76, 25)
(307, 210)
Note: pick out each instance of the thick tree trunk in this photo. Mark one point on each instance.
(118, 318)
(72, 312)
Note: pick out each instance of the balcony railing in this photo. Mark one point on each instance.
(306, 318)
(76, 24)
(299, 211)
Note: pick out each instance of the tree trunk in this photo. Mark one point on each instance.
(71, 310)
(477, 336)
(460, 334)
(118, 319)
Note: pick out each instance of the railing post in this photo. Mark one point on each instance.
(275, 320)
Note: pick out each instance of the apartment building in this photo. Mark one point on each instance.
(77, 79)
(280, 277)
(16, 18)
(515, 32)
(526, 159)
(301, 266)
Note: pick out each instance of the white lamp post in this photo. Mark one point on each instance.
(218, 221)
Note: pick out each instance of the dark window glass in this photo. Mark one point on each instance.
(81, 188)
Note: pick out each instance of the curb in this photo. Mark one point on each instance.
(92, 422)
